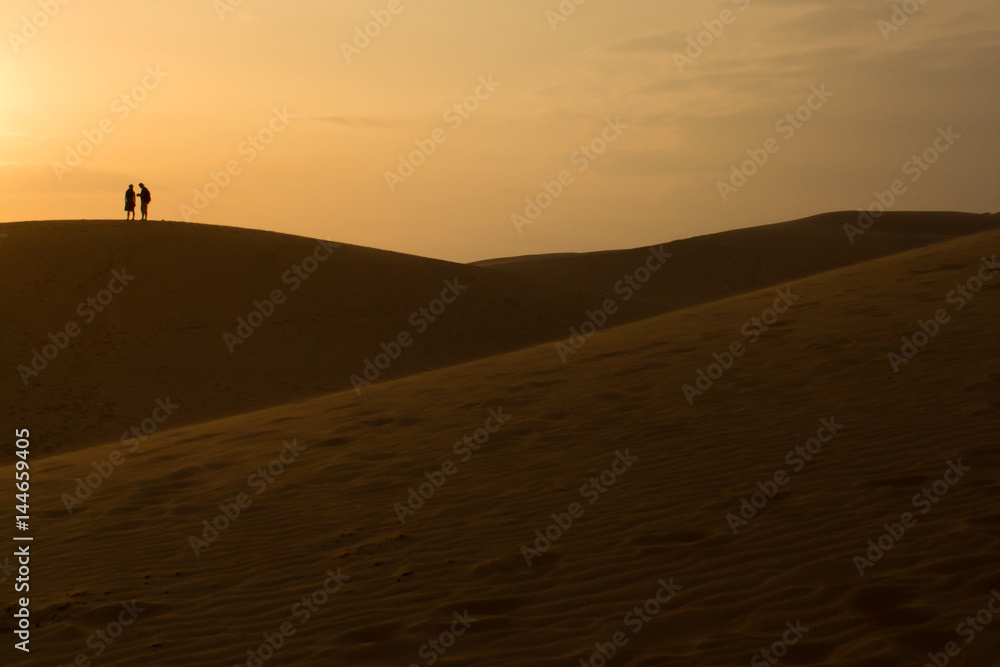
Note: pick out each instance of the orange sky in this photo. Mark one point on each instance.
(309, 121)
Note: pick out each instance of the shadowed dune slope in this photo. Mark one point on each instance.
(711, 267)
(661, 518)
(162, 336)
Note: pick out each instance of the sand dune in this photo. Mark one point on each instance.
(159, 339)
(659, 527)
(163, 335)
(706, 268)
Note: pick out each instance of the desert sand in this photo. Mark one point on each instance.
(163, 335)
(648, 468)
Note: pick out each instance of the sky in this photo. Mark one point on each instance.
(468, 129)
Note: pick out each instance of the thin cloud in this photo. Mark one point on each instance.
(666, 42)
(352, 121)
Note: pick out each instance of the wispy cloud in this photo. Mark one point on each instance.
(353, 121)
(665, 42)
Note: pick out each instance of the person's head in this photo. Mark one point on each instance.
(130, 186)
(141, 185)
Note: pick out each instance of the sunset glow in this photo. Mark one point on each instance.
(183, 96)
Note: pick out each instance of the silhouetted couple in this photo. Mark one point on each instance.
(144, 199)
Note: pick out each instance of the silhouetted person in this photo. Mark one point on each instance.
(130, 203)
(145, 198)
